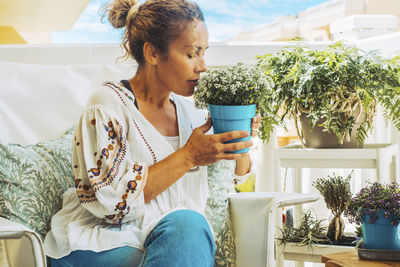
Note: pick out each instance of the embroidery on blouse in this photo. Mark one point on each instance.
(116, 150)
(114, 87)
(122, 207)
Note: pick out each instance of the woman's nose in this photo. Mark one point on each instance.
(201, 65)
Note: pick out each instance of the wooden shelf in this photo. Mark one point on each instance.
(294, 252)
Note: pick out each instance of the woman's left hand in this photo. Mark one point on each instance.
(255, 124)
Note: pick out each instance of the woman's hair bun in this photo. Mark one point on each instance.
(118, 11)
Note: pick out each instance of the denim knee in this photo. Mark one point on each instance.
(117, 257)
(188, 224)
(182, 238)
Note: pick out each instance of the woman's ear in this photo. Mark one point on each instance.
(150, 53)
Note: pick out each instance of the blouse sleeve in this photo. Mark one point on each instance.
(108, 182)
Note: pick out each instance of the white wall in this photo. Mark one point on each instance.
(218, 54)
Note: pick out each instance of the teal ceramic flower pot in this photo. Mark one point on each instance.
(381, 234)
(232, 118)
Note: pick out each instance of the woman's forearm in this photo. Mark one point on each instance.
(164, 173)
(200, 150)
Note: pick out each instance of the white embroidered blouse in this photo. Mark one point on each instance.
(114, 146)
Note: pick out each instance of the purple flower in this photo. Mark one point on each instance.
(373, 198)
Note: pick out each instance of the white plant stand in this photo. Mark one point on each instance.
(382, 157)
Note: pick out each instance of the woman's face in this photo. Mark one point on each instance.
(180, 70)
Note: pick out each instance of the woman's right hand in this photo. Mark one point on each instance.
(204, 149)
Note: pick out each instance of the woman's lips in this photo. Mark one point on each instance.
(193, 82)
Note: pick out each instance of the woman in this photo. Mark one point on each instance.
(139, 161)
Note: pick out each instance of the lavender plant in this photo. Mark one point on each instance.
(374, 198)
(336, 191)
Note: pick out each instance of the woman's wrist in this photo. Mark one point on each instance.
(186, 157)
(243, 165)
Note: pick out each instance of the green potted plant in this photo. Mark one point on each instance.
(334, 91)
(233, 96)
(336, 191)
(377, 208)
(311, 231)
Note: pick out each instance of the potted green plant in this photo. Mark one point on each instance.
(377, 208)
(311, 231)
(336, 191)
(233, 96)
(334, 91)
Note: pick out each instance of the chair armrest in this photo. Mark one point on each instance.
(253, 220)
(272, 198)
(13, 230)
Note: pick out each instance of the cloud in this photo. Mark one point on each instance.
(227, 18)
(88, 28)
(222, 31)
(230, 9)
(91, 26)
(91, 12)
(90, 19)
(90, 16)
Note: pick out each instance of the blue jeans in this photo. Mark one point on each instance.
(181, 239)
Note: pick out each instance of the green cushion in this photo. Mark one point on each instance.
(220, 176)
(32, 180)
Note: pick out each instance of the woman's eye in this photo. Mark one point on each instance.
(190, 56)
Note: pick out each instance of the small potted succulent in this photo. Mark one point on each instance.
(331, 93)
(336, 191)
(311, 231)
(233, 96)
(377, 208)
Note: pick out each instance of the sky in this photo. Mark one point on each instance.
(224, 19)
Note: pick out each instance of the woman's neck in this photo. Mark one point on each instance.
(154, 103)
(146, 88)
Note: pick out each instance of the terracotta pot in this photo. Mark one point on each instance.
(317, 138)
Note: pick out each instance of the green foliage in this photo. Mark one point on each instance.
(336, 191)
(358, 231)
(236, 85)
(311, 231)
(297, 38)
(335, 87)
